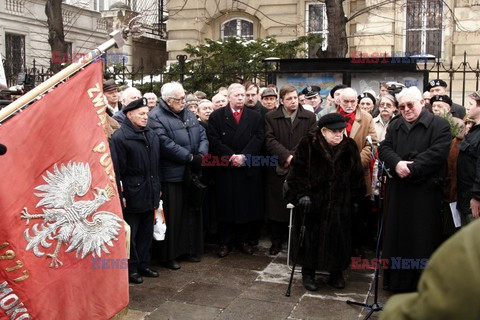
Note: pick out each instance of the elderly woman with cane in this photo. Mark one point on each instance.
(327, 179)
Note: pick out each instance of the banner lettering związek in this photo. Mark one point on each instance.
(60, 208)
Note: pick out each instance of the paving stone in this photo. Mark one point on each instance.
(242, 261)
(204, 294)
(254, 309)
(273, 292)
(173, 310)
(218, 274)
(134, 315)
(147, 299)
(324, 307)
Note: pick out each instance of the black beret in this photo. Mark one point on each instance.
(366, 95)
(135, 104)
(109, 85)
(332, 121)
(337, 87)
(435, 83)
(443, 98)
(311, 91)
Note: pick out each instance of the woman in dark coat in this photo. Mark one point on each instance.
(327, 177)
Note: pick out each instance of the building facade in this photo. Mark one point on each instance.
(24, 33)
(444, 29)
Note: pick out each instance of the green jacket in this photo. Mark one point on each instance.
(449, 287)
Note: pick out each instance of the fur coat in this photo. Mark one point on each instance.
(333, 178)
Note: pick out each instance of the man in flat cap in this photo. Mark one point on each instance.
(269, 98)
(138, 170)
(313, 98)
(439, 87)
(110, 90)
(468, 167)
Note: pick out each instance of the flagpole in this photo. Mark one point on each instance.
(118, 38)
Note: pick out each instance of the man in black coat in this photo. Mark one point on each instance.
(468, 167)
(236, 135)
(138, 161)
(284, 127)
(415, 150)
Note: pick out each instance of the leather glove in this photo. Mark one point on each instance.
(196, 161)
(304, 203)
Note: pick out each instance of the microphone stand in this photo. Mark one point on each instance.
(375, 306)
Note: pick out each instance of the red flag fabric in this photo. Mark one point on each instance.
(62, 240)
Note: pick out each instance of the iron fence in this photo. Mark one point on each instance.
(195, 76)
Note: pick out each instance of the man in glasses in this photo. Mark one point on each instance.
(415, 150)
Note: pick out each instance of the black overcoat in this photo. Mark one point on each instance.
(333, 178)
(238, 190)
(281, 138)
(138, 163)
(413, 225)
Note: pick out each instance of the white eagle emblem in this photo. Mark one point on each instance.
(77, 224)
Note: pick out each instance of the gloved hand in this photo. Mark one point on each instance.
(304, 203)
(196, 161)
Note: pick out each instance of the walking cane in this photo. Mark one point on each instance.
(299, 246)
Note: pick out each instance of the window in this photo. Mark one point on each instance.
(237, 28)
(14, 54)
(424, 27)
(99, 5)
(316, 22)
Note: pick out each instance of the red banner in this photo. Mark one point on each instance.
(62, 240)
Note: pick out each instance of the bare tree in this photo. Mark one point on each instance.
(56, 35)
(337, 34)
(337, 21)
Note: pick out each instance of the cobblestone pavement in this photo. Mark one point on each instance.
(245, 287)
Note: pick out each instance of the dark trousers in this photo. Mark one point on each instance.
(231, 233)
(141, 225)
(278, 231)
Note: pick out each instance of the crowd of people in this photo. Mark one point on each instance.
(226, 168)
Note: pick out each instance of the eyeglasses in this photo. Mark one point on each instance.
(178, 99)
(409, 105)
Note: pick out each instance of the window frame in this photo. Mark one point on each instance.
(424, 29)
(324, 31)
(239, 28)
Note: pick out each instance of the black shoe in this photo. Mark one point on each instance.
(246, 248)
(309, 283)
(190, 258)
(135, 278)
(171, 264)
(224, 251)
(337, 280)
(275, 249)
(149, 273)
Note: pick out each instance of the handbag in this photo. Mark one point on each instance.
(159, 225)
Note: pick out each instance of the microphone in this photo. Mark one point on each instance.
(3, 149)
